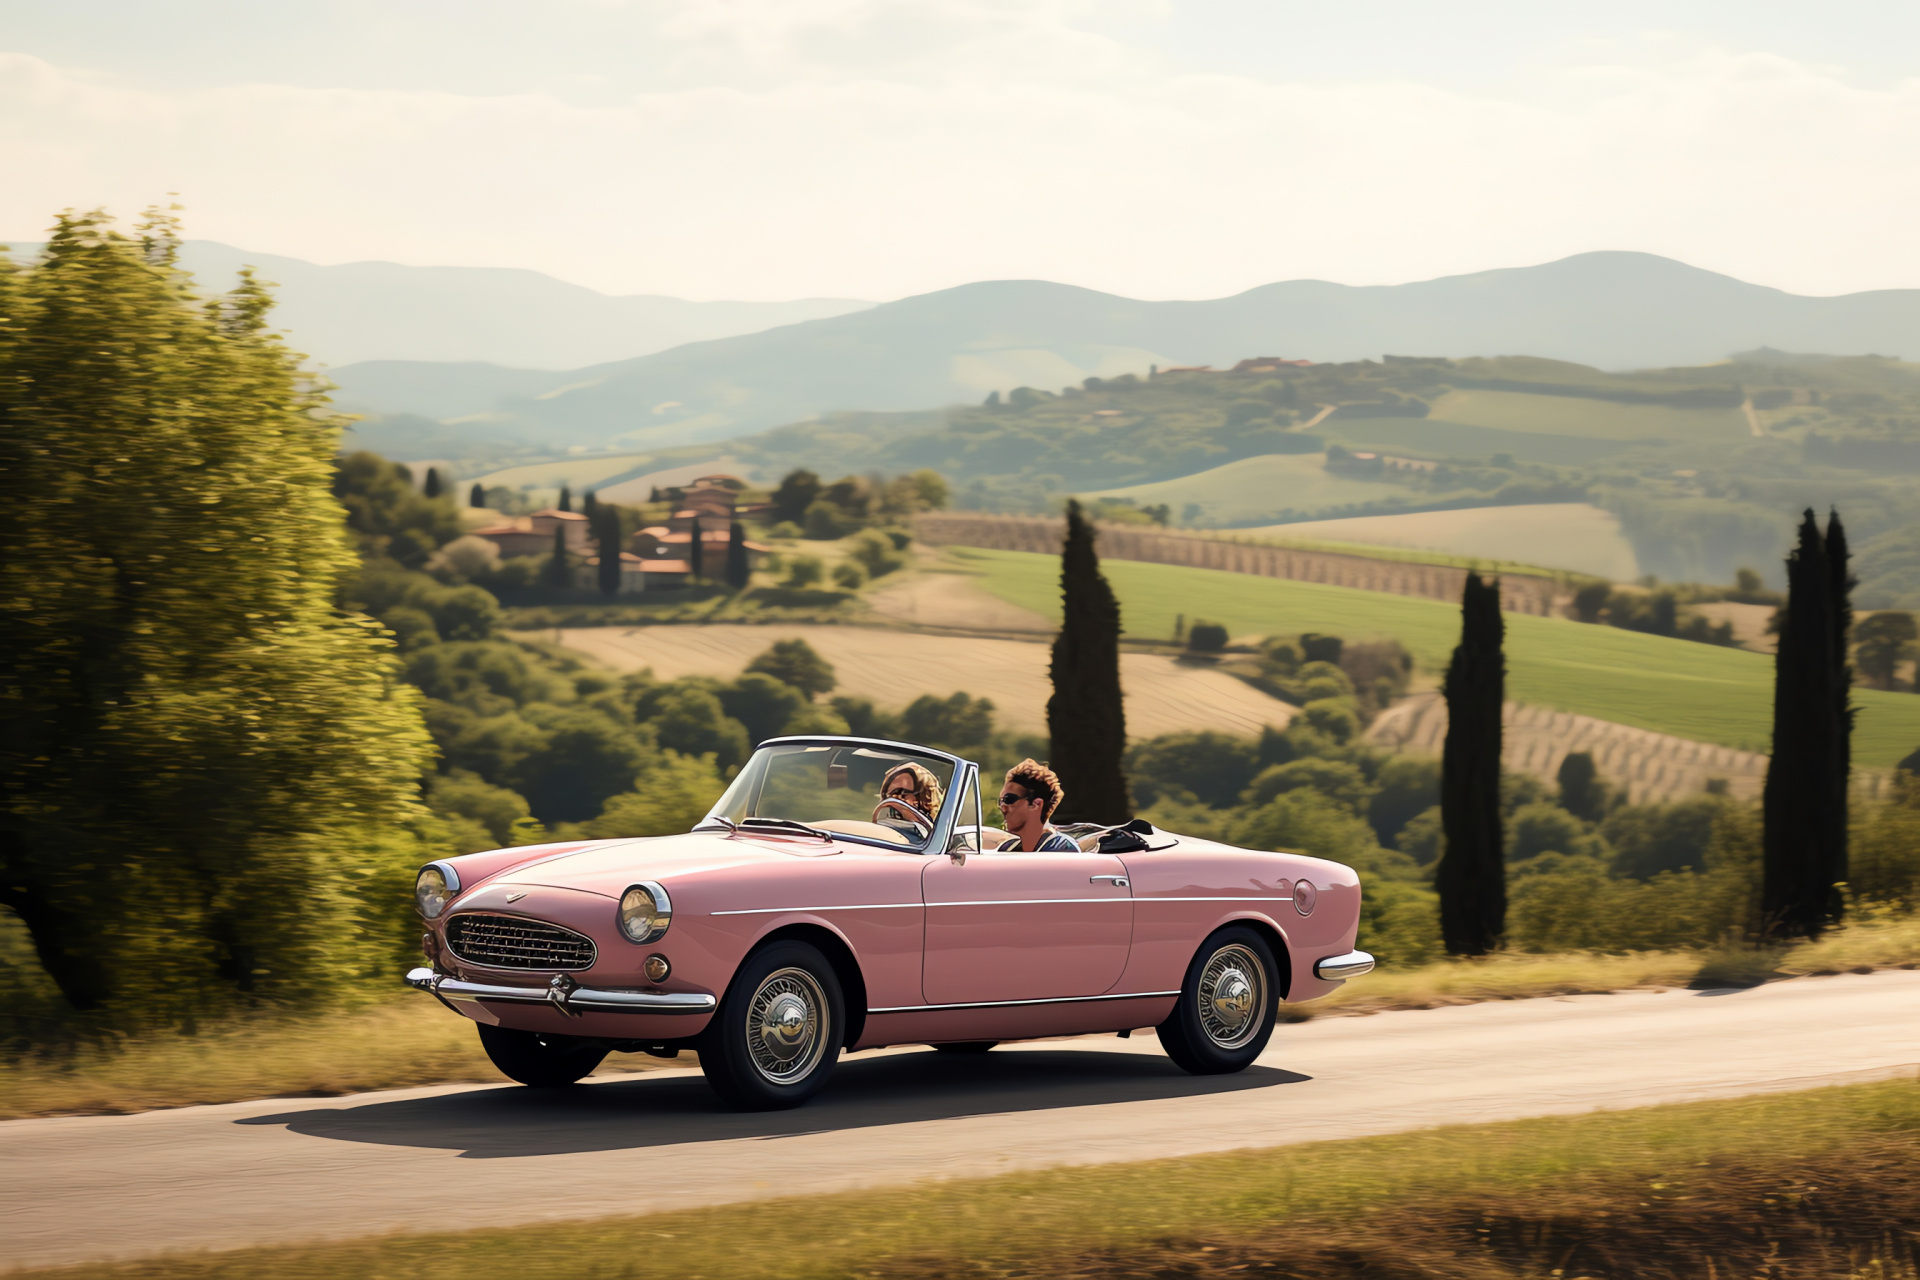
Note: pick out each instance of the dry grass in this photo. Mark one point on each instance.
(392, 1046)
(1820, 1183)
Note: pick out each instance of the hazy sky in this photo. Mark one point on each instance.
(784, 148)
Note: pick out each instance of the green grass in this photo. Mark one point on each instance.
(1266, 487)
(1573, 537)
(1697, 691)
(1659, 1177)
(1596, 419)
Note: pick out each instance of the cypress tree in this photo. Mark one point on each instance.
(1472, 875)
(1804, 803)
(1085, 717)
(739, 566)
(431, 487)
(476, 497)
(557, 572)
(588, 505)
(605, 522)
(566, 498)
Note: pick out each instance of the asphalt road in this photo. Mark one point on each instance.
(280, 1170)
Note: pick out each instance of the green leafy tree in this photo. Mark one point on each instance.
(1582, 792)
(796, 492)
(207, 772)
(1471, 878)
(1085, 718)
(1881, 643)
(795, 662)
(763, 704)
(391, 518)
(675, 792)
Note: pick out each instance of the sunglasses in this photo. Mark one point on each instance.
(1011, 798)
(901, 793)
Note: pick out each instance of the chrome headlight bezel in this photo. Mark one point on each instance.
(645, 912)
(434, 888)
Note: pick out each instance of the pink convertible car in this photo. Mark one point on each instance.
(806, 916)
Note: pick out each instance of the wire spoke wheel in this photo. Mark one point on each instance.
(1233, 996)
(787, 1025)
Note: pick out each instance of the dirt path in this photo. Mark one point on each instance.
(895, 667)
(285, 1170)
(1317, 418)
(1753, 420)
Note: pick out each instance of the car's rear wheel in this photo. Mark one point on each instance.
(1228, 1004)
(535, 1058)
(776, 1036)
(965, 1046)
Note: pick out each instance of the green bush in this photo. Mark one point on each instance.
(849, 576)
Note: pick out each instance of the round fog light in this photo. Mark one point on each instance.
(658, 968)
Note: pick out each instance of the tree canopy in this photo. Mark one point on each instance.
(203, 762)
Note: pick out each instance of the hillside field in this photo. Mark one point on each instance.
(1576, 536)
(1677, 687)
(1601, 419)
(1263, 487)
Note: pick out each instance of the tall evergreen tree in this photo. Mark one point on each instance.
(566, 498)
(605, 521)
(205, 768)
(588, 505)
(1472, 875)
(430, 487)
(558, 570)
(739, 566)
(476, 497)
(1804, 803)
(1085, 717)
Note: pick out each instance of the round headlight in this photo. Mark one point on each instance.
(433, 889)
(645, 912)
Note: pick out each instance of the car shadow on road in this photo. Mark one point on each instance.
(652, 1110)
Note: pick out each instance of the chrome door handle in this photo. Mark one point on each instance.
(1119, 882)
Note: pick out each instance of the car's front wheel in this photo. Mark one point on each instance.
(534, 1058)
(776, 1036)
(1228, 1004)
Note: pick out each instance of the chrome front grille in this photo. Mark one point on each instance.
(512, 942)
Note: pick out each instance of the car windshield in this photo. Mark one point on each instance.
(882, 794)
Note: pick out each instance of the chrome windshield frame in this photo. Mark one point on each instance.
(943, 822)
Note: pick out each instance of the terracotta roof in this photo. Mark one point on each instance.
(554, 513)
(666, 566)
(626, 558)
(498, 528)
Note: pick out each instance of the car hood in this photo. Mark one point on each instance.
(610, 867)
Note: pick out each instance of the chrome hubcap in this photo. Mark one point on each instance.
(787, 1032)
(1233, 996)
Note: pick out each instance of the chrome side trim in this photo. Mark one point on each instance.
(987, 902)
(1350, 965)
(566, 999)
(1008, 1004)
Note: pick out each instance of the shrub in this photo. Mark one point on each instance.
(803, 571)
(849, 576)
(874, 551)
(1206, 637)
(1339, 781)
(1651, 838)
(676, 792)
(1334, 716)
(1214, 768)
(1409, 785)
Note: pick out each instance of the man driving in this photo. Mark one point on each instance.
(1031, 795)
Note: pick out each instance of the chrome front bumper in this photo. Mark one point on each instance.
(1350, 965)
(563, 995)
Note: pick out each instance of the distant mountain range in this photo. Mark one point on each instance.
(360, 311)
(1610, 310)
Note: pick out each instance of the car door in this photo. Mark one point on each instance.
(1024, 926)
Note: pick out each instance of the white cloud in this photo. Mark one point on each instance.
(850, 147)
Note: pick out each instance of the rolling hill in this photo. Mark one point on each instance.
(476, 316)
(1608, 310)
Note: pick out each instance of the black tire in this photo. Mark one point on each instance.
(776, 1036)
(541, 1060)
(965, 1046)
(1228, 1004)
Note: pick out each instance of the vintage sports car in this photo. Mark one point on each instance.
(806, 915)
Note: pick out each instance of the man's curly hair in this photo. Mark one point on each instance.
(1039, 781)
